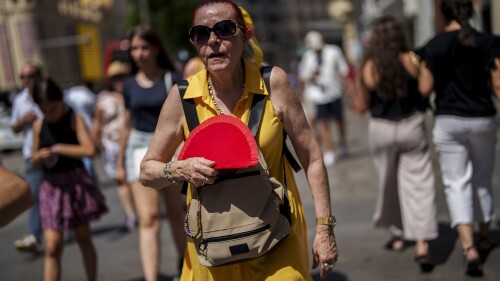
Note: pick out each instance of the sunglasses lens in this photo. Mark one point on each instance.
(225, 29)
(199, 34)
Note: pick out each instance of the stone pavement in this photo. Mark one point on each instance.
(353, 189)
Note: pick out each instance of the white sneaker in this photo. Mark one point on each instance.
(28, 243)
(329, 158)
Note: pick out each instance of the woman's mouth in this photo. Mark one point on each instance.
(216, 55)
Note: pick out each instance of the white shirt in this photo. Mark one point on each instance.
(329, 83)
(82, 101)
(22, 105)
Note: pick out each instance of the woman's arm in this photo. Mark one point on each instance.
(495, 78)
(15, 196)
(85, 146)
(288, 108)
(425, 80)
(36, 156)
(167, 137)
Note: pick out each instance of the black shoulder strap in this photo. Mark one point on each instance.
(266, 74)
(188, 106)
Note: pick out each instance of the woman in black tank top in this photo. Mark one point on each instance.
(69, 198)
(460, 64)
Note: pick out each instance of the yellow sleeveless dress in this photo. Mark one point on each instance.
(290, 259)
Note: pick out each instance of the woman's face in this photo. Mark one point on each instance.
(142, 52)
(216, 53)
(52, 110)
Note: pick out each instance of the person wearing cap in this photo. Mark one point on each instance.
(322, 72)
(107, 124)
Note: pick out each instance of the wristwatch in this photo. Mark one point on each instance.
(331, 221)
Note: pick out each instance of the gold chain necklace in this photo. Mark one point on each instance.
(212, 95)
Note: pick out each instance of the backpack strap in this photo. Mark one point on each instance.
(188, 106)
(190, 114)
(266, 74)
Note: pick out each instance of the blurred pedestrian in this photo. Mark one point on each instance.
(24, 113)
(82, 100)
(144, 93)
(106, 129)
(69, 197)
(323, 71)
(398, 140)
(193, 66)
(459, 65)
(229, 85)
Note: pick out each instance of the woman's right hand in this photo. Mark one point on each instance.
(120, 175)
(47, 157)
(197, 170)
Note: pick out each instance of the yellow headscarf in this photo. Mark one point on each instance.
(252, 51)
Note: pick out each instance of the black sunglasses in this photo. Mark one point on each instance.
(225, 29)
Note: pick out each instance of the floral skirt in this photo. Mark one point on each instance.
(69, 199)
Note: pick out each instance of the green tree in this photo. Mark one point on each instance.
(170, 18)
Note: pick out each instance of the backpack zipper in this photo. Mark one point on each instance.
(204, 242)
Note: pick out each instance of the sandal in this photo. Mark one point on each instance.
(485, 245)
(425, 263)
(396, 244)
(472, 267)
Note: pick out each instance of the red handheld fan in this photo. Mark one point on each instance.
(223, 139)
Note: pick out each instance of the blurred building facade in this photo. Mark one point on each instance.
(66, 37)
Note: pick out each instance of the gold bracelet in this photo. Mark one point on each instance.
(415, 59)
(167, 174)
(331, 221)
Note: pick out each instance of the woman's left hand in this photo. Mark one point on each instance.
(324, 250)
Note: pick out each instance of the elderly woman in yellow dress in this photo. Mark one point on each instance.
(220, 36)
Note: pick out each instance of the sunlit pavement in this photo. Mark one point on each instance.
(353, 190)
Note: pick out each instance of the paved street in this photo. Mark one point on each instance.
(353, 188)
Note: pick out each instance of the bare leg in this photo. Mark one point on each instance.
(421, 248)
(84, 239)
(341, 127)
(175, 210)
(485, 242)
(53, 252)
(148, 210)
(126, 200)
(325, 134)
(466, 236)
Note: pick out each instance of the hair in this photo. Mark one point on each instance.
(38, 68)
(461, 11)
(146, 32)
(387, 42)
(234, 7)
(46, 90)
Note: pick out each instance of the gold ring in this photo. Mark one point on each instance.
(328, 266)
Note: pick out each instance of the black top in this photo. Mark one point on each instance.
(462, 78)
(399, 107)
(61, 131)
(145, 103)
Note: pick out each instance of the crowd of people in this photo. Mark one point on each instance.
(140, 119)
